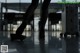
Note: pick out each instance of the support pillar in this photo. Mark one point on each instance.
(1, 10)
(70, 27)
(70, 19)
(0, 16)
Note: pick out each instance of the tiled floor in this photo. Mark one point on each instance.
(53, 43)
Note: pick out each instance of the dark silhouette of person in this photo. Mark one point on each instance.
(27, 18)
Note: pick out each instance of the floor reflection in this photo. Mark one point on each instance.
(52, 44)
(42, 46)
(71, 45)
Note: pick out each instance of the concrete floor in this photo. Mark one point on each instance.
(52, 44)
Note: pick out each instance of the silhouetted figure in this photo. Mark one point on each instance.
(42, 22)
(27, 18)
(54, 18)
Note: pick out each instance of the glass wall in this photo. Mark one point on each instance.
(15, 6)
(20, 8)
(29, 1)
(16, 1)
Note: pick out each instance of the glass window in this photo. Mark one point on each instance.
(55, 1)
(70, 0)
(78, 0)
(9, 1)
(16, 1)
(26, 1)
(29, 1)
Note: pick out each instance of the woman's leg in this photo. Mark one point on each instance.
(43, 18)
(27, 16)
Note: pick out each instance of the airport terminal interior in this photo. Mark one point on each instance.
(60, 33)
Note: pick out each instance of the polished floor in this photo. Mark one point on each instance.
(52, 44)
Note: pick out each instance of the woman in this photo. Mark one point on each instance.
(28, 16)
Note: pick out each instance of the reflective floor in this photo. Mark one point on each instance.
(52, 44)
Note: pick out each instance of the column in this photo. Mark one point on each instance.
(1, 17)
(70, 25)
(70, 19)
